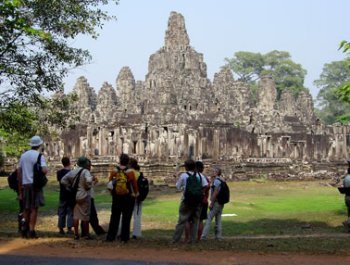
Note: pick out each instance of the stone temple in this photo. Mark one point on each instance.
(177, 112)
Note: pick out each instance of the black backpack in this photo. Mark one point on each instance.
(12, 181)
(142, 183)
(193, 195)
(224, 194)
(39, 178)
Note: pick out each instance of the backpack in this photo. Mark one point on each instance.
(12, 181)
(224, 194)
(193, 195)
(142, 184)
(39, 178)
(120, 182)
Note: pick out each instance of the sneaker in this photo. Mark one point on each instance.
(76, 237)
(70, 231)
(61, 232)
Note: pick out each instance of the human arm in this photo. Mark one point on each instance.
(215, 191)
(132, 180)
(180, 183)
(43, 165)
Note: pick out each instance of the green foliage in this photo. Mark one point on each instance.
(246, 65)
(250, 66)
(35, 56)
(333, 92)
(343, 92)
(17, 124)
(34, 43)
(2, 158)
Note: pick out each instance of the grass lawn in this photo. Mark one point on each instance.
(262, 216)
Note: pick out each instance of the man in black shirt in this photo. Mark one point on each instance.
(66, 204)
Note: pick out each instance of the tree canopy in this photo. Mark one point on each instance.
(250, 66)
(343, 91)
(36, 54)
(330, 107)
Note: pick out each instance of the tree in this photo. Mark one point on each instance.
(343, 92)
(247, 65)
(286, 73)
(330, 107)
(18, 124)
(35, 56)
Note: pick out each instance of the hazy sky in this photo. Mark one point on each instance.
(310, 30)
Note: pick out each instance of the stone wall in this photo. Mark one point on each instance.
(177, 112)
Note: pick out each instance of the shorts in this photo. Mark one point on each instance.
(32, 198)
(204, 212)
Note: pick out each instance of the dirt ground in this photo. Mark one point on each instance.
(66, 247)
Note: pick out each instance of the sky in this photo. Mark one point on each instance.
(310, 30)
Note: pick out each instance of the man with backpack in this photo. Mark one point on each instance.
(124, 190)
(219, 196)
(32, 197)
(190, 206)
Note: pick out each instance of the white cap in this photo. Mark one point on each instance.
(35, 141)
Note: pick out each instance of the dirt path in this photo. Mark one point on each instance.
(63, 247)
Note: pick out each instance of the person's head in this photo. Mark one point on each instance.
(217, 171)
(199, 166)
(124, 159)
(35, 142)
(65, 161)
(190, 165)
(83, 162)
(133, 163)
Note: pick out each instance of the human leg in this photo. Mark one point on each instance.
(94, 222)
(114, 220)
(203, 216)
(218, 225)
(127, 210)
(184, 214)
(61, 212)
(188, 228)
(137, 213)
(195, 222)
(76, 228)
(206, 228)
(69, 219)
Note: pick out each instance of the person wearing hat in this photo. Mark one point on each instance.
(32, 198)
(80, 175)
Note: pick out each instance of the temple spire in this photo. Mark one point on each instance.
(176, 37)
